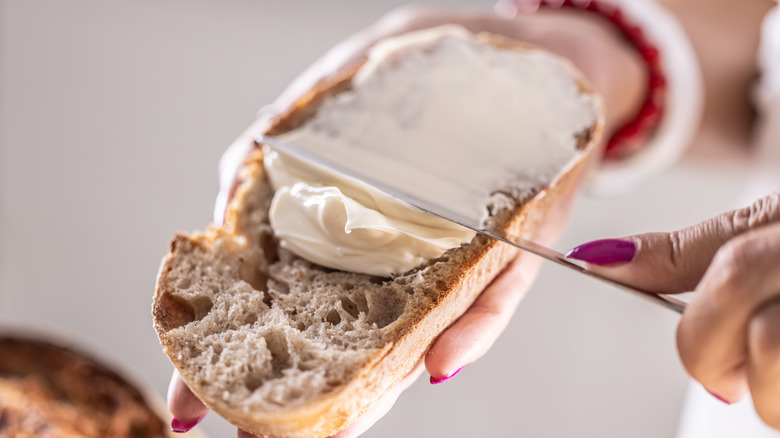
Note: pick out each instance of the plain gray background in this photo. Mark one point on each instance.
(113, 115)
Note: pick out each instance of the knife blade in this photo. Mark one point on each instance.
(432, 207)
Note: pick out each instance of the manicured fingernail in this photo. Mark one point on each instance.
(179, 427)
(604, 252)
(719, 397)
(434, 380)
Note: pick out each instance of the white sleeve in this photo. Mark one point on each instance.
(682, 108)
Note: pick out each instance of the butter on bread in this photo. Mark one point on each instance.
(282, 347)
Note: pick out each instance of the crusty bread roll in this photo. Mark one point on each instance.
(282, 347)
(52, 391)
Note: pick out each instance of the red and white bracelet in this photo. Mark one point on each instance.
(634, 133)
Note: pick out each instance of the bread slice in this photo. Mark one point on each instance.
(281, 347)
(48, 390)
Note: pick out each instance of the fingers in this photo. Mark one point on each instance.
(186, 408)
(763, 370)
(729, 336)
(674, 262)
(712, 337)
(381, 407)
(470, 337)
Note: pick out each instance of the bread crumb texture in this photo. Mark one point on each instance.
(263, 329)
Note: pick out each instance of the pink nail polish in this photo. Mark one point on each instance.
(179, 427)
(604, 252)
(719, 397)
(435, 381)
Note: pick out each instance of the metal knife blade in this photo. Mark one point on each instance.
(475, 224)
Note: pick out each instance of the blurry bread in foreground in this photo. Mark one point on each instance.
(51, 391)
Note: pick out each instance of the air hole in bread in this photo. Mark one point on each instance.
(307, 362)
(251, 273)
(350, 307)
(376, 280)
(250, 318)
(185, 283)
(384, 309)
(268, 299)
(173, 311)
(278, 287)
(333, 317)
(216, 353)
(201, 306)
(294, 393)
(269, 245)
(276, 342)
(253, 381)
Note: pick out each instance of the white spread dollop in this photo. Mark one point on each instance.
(470, 118)
(343, 223)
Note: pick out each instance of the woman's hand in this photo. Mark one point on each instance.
(613, 70)
(729, 336)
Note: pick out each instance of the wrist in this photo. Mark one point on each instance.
(667, 117)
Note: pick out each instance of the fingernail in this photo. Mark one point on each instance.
(604, 252)
(719, 397)
(179, 427)
(435, 381)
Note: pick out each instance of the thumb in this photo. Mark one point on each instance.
(674, 262)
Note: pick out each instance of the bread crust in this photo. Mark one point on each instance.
(391, 363)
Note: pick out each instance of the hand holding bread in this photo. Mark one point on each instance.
(728, 336)
(466, 339)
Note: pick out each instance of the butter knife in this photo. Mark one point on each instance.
(475, 224)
